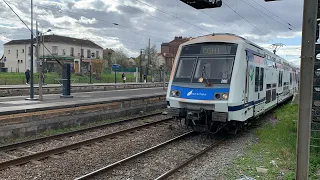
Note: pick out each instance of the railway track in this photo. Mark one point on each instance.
(30, 156)
(99, 173)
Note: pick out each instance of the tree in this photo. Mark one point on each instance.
(119, 57)
(153, 55)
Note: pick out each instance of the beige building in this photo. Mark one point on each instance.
(65, 49)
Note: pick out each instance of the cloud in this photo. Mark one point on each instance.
(130, 23)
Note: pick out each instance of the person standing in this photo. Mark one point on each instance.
(27, 74)
(124, 78)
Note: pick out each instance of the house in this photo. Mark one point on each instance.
(161, 60)
(77, 52)
(131, 62)
(169, 50)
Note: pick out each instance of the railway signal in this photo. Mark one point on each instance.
(203, 4)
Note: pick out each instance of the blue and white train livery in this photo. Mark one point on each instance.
(220, 81)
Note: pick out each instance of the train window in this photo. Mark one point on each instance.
(261, 78)
(216, 70)
(257, 80)
(184, 70)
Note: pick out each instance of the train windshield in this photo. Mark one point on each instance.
(215, 70)
(206, 63)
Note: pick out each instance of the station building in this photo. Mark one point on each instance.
(78, 52)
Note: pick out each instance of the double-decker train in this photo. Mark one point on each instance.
(221, 81)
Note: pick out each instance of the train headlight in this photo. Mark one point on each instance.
(224, 96)
(175, 93)
(217, 96)
(201, 79)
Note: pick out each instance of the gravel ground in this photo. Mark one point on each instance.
(84, 160)
(212, 164)
(6, 141)
(85, 136)
(159, 161)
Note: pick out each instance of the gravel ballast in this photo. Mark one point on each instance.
(67, 140)
(81, 161)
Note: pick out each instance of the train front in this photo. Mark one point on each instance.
(199, 86)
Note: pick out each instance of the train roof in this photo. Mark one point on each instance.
(234, 37)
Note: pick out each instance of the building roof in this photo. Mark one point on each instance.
(59, 39)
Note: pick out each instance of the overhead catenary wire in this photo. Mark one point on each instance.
(246, 20)
(31, 32)
(102, 21)
(137, 9)
(266, 14)
(173, 16)
(273, 13)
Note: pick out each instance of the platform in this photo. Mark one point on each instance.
(24, 90)
(18, 104)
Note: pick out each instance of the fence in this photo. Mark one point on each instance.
(19, 78)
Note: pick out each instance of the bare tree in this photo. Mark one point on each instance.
(119, 57)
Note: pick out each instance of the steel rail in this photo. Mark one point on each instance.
(183, 164)
(47, 138)
(103, 169)
(44, 154)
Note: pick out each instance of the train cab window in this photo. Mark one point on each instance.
(261, 78)
(256, 89)
(184, 70)
(215, 70)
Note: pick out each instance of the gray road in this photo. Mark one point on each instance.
(10, 104)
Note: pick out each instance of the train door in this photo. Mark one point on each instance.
(259, 90)
(280, 85)
(250, 83)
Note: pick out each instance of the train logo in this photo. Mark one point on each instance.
(189, 93)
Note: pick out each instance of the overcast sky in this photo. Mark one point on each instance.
(128, 24)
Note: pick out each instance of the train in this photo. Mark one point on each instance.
(222, 81)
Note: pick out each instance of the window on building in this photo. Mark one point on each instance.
(22, 51)
(93, 55)
(55, 50)
(82, 52)
(63, 52)
(72, 51)
(88, 53)
(97, 54)
(8, 51)
(17, 55)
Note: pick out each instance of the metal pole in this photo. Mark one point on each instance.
(31, 56)
(141, 65)
(43, 56)
(115, 75)
(90, 72)
(306, 76)
(148, 61)
(40, 64)
(164, 81)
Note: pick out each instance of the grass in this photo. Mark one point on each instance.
(19, 78)
(276, 142)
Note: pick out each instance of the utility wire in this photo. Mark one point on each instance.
(266, 14)
(273, 13)
(137, 9)
(246, 20)
(105, 22)
(31, 32)
(173, 16)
